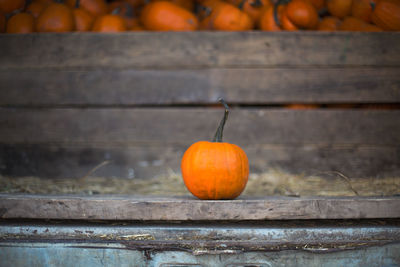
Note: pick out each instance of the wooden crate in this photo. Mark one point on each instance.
(70, 102)
(128, 105)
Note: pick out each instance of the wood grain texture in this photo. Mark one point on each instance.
(246, 126)
(198, 49)
(199, 86)
(188, 208)
(149, 161)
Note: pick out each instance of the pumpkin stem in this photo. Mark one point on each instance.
(219, 133)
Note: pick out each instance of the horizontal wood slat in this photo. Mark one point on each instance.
(188, 208)
(202, 86)
(198, 49)
(251, 126)
(149, 161)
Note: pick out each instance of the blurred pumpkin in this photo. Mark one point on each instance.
(83, 19)
(339, 8)
(386, 15)
(21, 23)
(166, 16)
(362, 9)
(302, 14)
(9, 6)
(56, 17)
(227, 17)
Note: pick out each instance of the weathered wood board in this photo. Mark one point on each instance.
(188, 208)
(68, 142)
(199, 49)
(245, 86)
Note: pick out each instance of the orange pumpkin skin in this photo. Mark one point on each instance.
(302, 14)
(339, 8)
(109, 23)
(83, 20)
(355, 24)
(362, 9)
(8, 6)
(55, 17)
(386, 15)
(227, 17)
(286, 23)
(268, 22)
(166, 16)
(215, 170)
(21, 23)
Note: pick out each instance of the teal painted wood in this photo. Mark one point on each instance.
(308, 243)
(71, 255)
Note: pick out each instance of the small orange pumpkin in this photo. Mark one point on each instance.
(339, 8)
(166, 16)
(55, 17)
(386, 15)
(302, 14)
(362, 9)
(21, 23)
(8, 6)
(227, 17)
(215, 170)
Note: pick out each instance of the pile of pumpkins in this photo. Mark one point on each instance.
(25, 16)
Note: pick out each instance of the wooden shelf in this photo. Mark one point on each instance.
(114, 207)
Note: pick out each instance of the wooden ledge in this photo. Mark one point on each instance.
(121, 207)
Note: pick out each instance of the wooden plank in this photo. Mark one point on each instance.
(149, 161)
(160, 126)
(189, 208)
(200, 49)
(200, 86)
